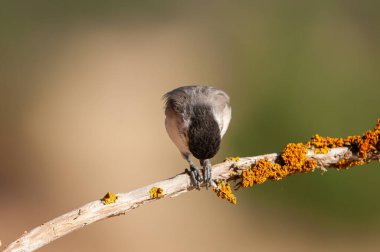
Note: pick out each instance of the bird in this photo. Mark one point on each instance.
(196, 119)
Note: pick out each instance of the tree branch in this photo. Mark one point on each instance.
(172, 187)
(296, 158)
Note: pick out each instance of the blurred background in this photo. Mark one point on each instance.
(81, 114)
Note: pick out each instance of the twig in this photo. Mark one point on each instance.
(98, 210)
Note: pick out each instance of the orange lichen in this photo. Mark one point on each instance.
(352, 140)
(322, 144)
(344, 163)
(370, 141)
(257, 174)
(278, 172)
(223, 191)
(363, 145)
(156, 192)
(109, 198)
(294, 158)
(310, 164)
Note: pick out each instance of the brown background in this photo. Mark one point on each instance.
(81, 114)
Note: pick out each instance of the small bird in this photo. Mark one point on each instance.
(197, 117)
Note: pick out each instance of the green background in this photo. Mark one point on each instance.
(292, 69)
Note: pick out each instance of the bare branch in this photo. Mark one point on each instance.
(98, 210)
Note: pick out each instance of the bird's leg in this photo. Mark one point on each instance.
(195, 174)
(206, 164)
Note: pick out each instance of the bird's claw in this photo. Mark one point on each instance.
(196, 176)
(207, 176)
(207, 173)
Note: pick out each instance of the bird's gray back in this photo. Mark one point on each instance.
(184, 98)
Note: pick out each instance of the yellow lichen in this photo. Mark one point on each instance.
(109, 198)
(323, 150)
(235, 159)
(223, 190)
(156, 192)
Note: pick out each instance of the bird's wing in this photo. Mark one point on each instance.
(222, 110)
(176, 121)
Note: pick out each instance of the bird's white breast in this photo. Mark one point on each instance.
(176, 131)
